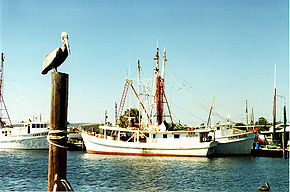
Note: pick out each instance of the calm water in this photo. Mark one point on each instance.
(27, 171)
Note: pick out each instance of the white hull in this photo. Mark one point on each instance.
(106, 146)
(26, 142)
(32, 135)
(240, 144)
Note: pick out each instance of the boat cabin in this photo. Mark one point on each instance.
(33, 127)
(159, 137)
(223, 130)
(25, 128)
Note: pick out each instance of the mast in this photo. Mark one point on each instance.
(116, 114)
(2, 123)
(158, 91)
(160, 97)
(284, 133)
(252, 117)
(106, 117)
(1, 75)
(247, 116)
(139, 120)
(274, 108)
(210, 111)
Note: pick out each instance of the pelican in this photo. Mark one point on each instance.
(56, 57)
(265, 188)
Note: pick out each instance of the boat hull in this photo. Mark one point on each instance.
(112, 147)
(240, 144)
(25, 142)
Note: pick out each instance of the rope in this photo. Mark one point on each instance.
(57, 137)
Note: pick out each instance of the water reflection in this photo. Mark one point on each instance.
(27, 170)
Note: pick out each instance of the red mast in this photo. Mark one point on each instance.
(160, 97)
(159, 91)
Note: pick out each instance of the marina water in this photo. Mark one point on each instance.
(27, 171)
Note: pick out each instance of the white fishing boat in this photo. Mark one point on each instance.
(124, 141)
(230, 143)
(151, 138)
(31, 135)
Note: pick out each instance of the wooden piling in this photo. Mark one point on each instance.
(58, 128)
(283, 145)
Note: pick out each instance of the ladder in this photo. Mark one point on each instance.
(123, 99)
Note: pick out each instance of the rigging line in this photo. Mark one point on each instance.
(22, 100)
(198, 100)
(189, 112)
(195, 99)
(187, 85)
(214, 113)
(19, 93)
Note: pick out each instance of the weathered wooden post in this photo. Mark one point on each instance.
(57, 136)
(58, 128)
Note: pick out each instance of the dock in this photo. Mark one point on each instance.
(269, 152)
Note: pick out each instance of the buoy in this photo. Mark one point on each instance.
(265, 188)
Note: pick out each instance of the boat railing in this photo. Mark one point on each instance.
(134, 134)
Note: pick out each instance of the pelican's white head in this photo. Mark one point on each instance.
(64, 38)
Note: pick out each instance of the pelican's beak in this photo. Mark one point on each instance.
(66, 43)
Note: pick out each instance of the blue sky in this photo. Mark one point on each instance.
(225, 49)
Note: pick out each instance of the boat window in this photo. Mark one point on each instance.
(164, 135)
(154, 135)
(218, 128)
(44, 125)
(33, 126)
(176, 136)
(41, 125)
(38, 125)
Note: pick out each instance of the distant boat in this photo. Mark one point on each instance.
(150, 139)
(30, 135)
(230, 143)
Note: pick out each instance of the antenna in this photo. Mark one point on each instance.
(163, 65)
(275, 77)
(157, 42)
